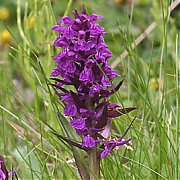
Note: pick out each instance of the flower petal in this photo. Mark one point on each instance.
(105, 153)
(106, 131)
(88, 142)
(70, 110)
(78, 123)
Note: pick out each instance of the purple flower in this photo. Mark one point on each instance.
(105, 82)
(55, 73)
(94, 90)
(83, 65)
(78, 123)
(86, 75)
(66, 20)
(110, 145)
(88, 142)
(4, 174)
(70, 110)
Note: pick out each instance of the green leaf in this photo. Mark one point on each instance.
(78, 155)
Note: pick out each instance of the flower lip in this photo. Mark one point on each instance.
(110, 145)
(70, 110)
(88, 142)
(95, 17)
(78, 123)
(66, 20)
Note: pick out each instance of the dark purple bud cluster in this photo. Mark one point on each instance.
(83, 66)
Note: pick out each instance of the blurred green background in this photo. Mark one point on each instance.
(28, 104)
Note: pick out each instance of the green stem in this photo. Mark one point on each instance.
(94, 165)
(68, 7)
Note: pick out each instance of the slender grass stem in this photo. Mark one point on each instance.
(68, 7)
(177, 107)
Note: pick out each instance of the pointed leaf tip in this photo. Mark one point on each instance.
(84, 9)
(69, 141)
(119, 111)
(59, 87)
(127, 129)
(76, 14)
(119, 85)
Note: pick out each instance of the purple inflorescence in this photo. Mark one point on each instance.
(83, 65)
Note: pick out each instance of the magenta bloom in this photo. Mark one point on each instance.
(83, 65)
(4, 174)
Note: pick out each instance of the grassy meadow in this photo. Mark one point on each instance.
(151, 74)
